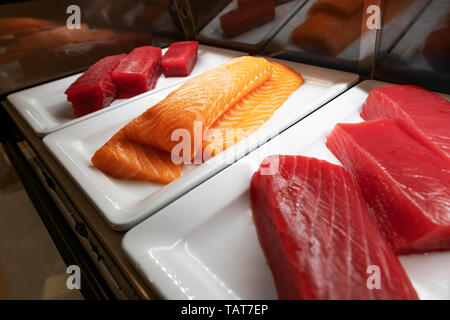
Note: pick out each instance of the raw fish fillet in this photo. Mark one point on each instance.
(253, 110)
(124, 159)
(202, 99)
(406, 185)
(45, 39)
(422, 113)
(333, 25)
(343, 8)
(318, 34)
(318, 236)
(180, 58)
(246, 18)
(95, 89)
(15, 25)
(138, 72)
(13, 28)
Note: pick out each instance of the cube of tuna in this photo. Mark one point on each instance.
(95, 89)
(138, 72)
(180, 59)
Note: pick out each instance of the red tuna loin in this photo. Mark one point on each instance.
(180, 58)
(422, 113)
(95, 89)
(247, 18)
(317, 233)
(407, 185)
(138, 72)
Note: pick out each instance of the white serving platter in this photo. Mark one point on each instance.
(46, 109)
(252, 39)
(204, 245)
(125, 203)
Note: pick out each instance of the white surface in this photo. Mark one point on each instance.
(252, 38)
(125, 203)
(46, 109)
(204, 245)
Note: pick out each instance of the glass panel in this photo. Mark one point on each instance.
(422, 55)
(37, 43)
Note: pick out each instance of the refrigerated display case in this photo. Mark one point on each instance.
(330, 43)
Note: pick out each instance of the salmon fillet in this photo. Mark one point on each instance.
(252, 111)
(343, 8)
(47, 39)
(124, 159)
(333, 25)
(204, 98)
(318, 33)
(15, 25)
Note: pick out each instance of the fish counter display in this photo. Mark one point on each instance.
(133, 160)
(314, 195)
(46, 107)
(316, 211)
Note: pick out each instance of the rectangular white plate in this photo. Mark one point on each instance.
(46, 109)
(204, 245)
(254, 38)
(125, 203)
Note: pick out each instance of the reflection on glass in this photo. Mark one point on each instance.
(422, 55)
(36, 44)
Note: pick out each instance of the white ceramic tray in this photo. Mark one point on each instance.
(253, 39)
(125, 203)
(204, 245)
(46, 109)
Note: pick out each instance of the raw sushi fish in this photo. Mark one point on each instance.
(246, 18)
(45, 39)
(422, 113)
(13, 28)
(124, 159)
(180, 58)
(318, 236)
(203, 99)
(95, 89)
(13, 25)
(406, 185)
(318, 33)
(253, 110)
(343, 8)
(138, 72)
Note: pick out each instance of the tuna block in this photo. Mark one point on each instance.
(138, 72)
(95, 89)
(247, 18)
(406, 185)
(318, 236)
(422, 113)
(180, 58)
